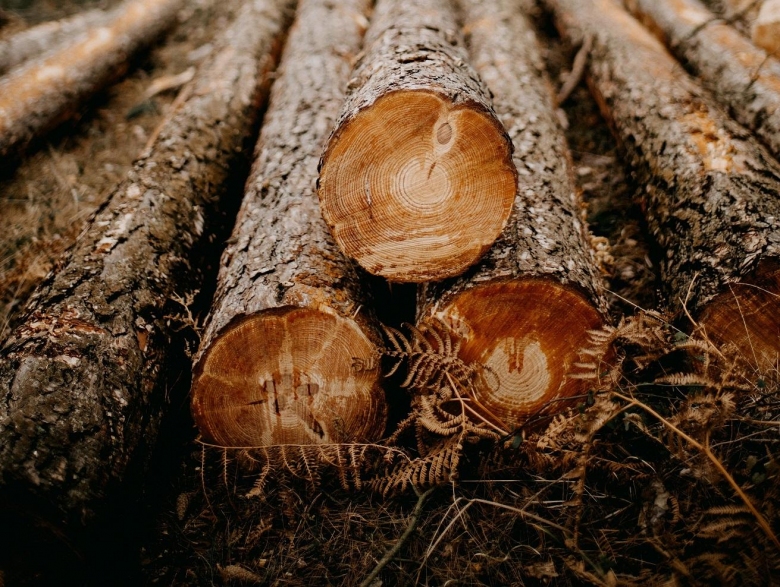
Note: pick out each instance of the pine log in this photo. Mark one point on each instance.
(45, 92)
(740, 75)
(83, 378)
(289, 352)
(710, 188)
(766, 28)
(44, 37)
(417, 179)
(525, 309)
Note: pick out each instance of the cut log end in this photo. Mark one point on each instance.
(747, 316)
(289, 376)
(528, 335)
(415, 188)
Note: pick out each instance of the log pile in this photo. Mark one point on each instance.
(418, 142)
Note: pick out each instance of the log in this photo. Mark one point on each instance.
(289, 352)
(766, 28)
(525, 309)
(39, 39)
(417, 179)
(83, 378)
(45, 92)
(710, 188)
(740, 75)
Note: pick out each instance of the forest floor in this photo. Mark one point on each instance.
(617, 499)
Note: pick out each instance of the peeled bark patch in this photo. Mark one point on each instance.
(741, 76)
(289, 355)
(83, 378)
(766, 28)
(710, 188)
(34, 41)
(288, 376)
(416, 182)
(524, 311)
(42, 94)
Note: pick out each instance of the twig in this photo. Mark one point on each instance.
(390, 554)
(577, 71)
(713, 459)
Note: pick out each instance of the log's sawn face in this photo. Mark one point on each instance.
(289, 376)
(527, 334)
(417, 188)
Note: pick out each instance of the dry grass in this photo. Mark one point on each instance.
(665, 474)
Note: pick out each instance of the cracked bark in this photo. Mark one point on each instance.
(740, 75)
(710, 189)
(289, 351)
(83, 378)
(37, 40)
(417, 180)
(47, 91)
(524, 310)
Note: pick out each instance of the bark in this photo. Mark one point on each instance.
(289, 352)
(83, 377)
(741, 76)
(37, 40)
(524, 310)
(416, 182)
(45, 92)
(710, 189)
(766, 28)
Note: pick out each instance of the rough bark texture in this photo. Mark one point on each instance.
(81, 380)
(538, 287)
(282, 269)
(766, 28)
(388, 205)
(710, 188)
(34, 41)
(43, 93)
(741, 76)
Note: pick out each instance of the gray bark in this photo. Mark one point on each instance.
(43, 93)
(82, 385)
(412, 46)
(546, 235)
(39, 39)
(740, 75)
(710, 188)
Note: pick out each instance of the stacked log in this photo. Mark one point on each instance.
(83, 378)
(45, 92)
(710, 188)
(417, 180)
(525, 310)
(37, 40)
(289, 354)
(740, 75)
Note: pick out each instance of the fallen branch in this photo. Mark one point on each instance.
(414, 518)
